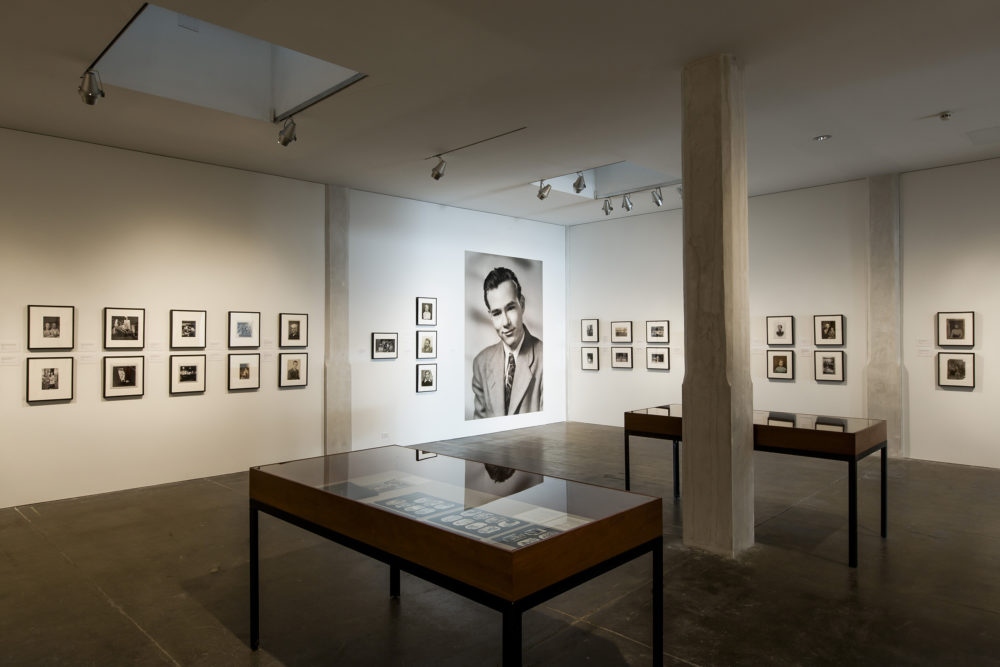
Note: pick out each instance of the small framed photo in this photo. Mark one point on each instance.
(187, 373)
(427, 377)
(49, 379)
(780, 329)
(785, 419)
(124, 376)
(829, 365)
(833, 424)
(589, 331)
(293, 369)
(124, 328)
(385, 345)
(187, 329)
(293, 330)
(51, 327)
(829, 330)
(244, 329)
(956, 369)
(657, 331)
(956, 329)
(781, 364)
(589, 359)
(621, 332)
(427, 344)
(658, 358)
(621, 357)
(427, 311)
(244, 371)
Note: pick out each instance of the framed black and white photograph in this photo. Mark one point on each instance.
(589, 331)
(780, 329)
(589, 359)
(956, 369)
(427, 311)
(621, 357)
(124, 328)
(293, 369)
(956, 329)
(244, 329)
(829, 330)
(385, 345)
(51, 327)
(657, 331)
(658, 358)
(427, 344)
(124, 377)
(829, 365)
(621, 332)
(427, 377)
(49, 379)
(780, 364)
(244, 371)
(187, 329)
(293, 330)
(187, 373)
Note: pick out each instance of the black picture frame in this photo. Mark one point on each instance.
(829, 330)
(780, 329)
(51, 328)
(590, 359)
(188, 329)
(956, 329)
(244, 329)
(781, 364)
(657, 331)
(293, 330)
(621, 332)
(427, 311)
(124, 377)
(956, 370)
(124, 328)
(829, 366)
(244, 371)
(426, 378)
(621, 357)
(385, 345)
(293, 369)
(590, 331)
(49, 380)
(657, 358)
(188, 374)
(427, 344)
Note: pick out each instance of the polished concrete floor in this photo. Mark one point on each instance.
(159, 575)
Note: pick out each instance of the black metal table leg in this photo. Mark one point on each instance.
(677, 470)
(628, 484)
(885, 469)
(511, 648)
(658, 603)
(254, 581)
(393, 582)
(852, 492)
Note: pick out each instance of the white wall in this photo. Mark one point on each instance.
(401, 249)
(808, 254)
(91, 227)
(951, 262)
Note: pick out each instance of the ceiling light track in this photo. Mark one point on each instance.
(438, 171)
(91, 87)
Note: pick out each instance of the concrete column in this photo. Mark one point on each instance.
(718, 484)
(884, 382)
(337, 367)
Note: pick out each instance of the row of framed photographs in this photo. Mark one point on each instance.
(954, 369)
(53, 328)
(386, 345)
(657, 331)
(828, 330)
(657, 358)
(51, 378)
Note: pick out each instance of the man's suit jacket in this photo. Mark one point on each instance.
(489, 370)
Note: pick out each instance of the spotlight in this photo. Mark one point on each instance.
(543, 191)
(579, 185)
(286, 134)
(607, 207)
(438, 171)
(658, 197)
(90, 87)
(627, 203)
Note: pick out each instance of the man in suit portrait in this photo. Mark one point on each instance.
(507, 376)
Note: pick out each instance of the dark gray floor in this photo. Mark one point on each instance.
(159, 576)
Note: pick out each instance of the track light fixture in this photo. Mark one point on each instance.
(286, 134)
(627, 203)
(657, 197)
(90, 87)
(607, 207)
(579, 185)
(438, 171)
(544, 190)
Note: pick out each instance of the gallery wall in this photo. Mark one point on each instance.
(808, 253)
(950, 248)
(402, 249)
(93, 227)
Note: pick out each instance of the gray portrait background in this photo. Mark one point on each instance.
(479, 331)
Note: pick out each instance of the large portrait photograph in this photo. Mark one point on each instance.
(503, 335)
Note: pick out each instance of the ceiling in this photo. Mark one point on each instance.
(594, 83)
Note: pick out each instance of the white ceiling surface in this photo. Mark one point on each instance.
(594, 82)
